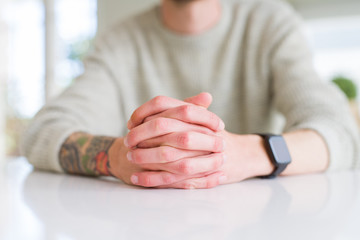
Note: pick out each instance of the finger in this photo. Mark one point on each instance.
(154, 179)
(158, 127)
(194, 115)
(209, 181)
(203, 99)
(163, 154)
(192, 166)
(187, 141)
(162, 103)
(154, 106)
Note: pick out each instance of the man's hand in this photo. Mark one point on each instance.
(160, 104)
(244, 157)
(176, 138)
(125, 170)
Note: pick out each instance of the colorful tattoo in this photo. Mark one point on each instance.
(85, 154)
(102, 160)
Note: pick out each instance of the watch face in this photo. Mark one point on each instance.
(279, 150)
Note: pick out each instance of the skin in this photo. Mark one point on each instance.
(190, 17)
(180, 144)
(86, 154)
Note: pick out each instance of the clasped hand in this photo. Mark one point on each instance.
(180, 144)
(176, 143)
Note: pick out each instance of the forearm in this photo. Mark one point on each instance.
(308, 151)
(248, 157)
(85, 154)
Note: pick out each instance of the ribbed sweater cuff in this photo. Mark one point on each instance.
(45, 153)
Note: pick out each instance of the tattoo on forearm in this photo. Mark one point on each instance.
(85, 154)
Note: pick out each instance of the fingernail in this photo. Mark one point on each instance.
(222, 179)
(221, 125)
(134, 179)
(126, 142)
(129, 156)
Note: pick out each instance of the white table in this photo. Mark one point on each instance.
(40, 205)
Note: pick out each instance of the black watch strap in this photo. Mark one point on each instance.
(278, 152)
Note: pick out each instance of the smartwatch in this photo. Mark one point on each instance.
(278, 152)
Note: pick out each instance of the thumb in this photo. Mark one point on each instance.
(203, 99)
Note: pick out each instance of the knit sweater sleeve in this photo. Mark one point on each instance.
(90, 105)
(304, 99)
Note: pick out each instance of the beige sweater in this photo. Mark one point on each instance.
(255, 62)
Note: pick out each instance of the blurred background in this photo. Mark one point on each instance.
(42, 43)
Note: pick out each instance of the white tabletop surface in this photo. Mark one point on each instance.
(40, 205)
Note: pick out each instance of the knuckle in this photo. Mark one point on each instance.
(166, 155)
(137, 157)
(160, 124)
(159, 100)
(186, 111)
(184, 139)
(146, 180)
(185, 167)
(210, 183)
(167, 179)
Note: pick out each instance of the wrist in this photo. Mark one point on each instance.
(260, 164)
(248, 157)
(116, 152)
